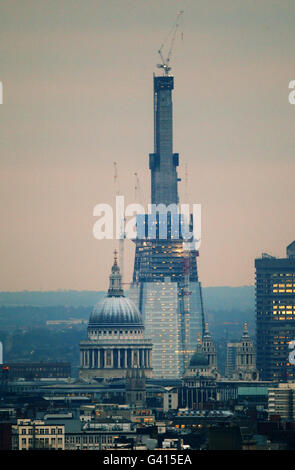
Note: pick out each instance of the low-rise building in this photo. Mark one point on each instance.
(35, 370)
(30, 434)
(281, 401)
(170, 399)
(99, 434)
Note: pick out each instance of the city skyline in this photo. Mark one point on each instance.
(147, 275)
(69, 75)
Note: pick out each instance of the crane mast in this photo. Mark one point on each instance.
(122, 228)
(137, 189)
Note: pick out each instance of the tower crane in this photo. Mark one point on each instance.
(137, 189)
(116, 184)
(186, 184)
(122, 228)
(165, 62)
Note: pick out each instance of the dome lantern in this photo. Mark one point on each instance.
(115, 287)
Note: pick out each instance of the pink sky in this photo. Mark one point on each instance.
(77, 79)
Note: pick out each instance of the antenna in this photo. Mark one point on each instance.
(165, 62)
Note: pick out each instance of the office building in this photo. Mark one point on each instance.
(275, 315)
(281, 401)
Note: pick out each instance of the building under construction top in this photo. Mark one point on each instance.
(163, 162)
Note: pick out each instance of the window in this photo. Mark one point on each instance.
(108, 358)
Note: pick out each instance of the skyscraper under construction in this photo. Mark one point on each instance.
(165, 279)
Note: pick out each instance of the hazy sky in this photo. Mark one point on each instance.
(77, 78)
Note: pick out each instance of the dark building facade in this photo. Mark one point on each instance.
(165, 285)
(275, 315)
(5, 436)
(36, 370)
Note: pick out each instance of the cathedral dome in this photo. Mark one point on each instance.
(115, 309)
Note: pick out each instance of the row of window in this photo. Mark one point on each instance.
(42, 440)
(41, 431)
(99, 332)
(89, 439)
(283, 291)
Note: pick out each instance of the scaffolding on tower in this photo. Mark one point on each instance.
(186, 293)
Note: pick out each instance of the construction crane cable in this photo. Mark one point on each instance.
(173, 32)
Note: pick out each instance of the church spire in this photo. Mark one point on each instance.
(207, 335)
(245, 332)
(115, 287)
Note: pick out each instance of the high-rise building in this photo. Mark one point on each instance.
(275, 315)
(231, 353)
(165, 280)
